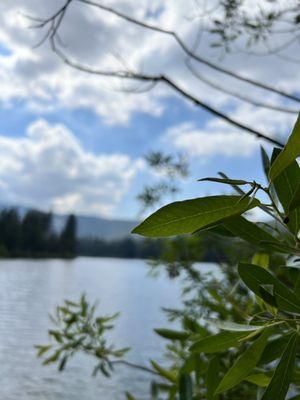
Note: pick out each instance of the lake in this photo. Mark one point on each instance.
(30, 289)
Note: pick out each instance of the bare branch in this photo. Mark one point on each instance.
(239, 96)
(166, 80)
(188, 51)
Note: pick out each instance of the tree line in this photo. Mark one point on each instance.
(33, 235)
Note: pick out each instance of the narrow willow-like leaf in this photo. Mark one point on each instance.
(212, 378)
(219, 342)
(280, 382)
(280, 247)
(227, 181)
(129, 396)
(290, 152)
(185, 387)
(286, 185)
(295, 202)
(265, 161)
(248, 231)
(274, 349)
(171, 334)
(261, 380)
(244, 364)
(191, 215)
(169, 375)
(232, 326)
(256, 278)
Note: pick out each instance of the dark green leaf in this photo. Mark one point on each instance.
(244, 364)
(286, 185)
(219, 342)
(172, 335)
(191, 215)
(282, 376)
(289, 154)
(274, 349)
(185, 387)
(212, 378)
(247, 230)
(295, 202)
(257, 278)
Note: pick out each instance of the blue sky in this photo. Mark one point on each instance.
(75, 143)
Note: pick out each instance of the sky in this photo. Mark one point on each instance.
(73, 142)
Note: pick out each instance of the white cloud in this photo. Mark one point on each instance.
(95, 38)
(49, 169)
(209, 142)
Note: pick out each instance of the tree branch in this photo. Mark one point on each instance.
(189, 52)
(166, 80)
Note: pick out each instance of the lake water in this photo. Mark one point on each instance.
(29, 290)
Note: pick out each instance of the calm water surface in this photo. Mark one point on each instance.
(29, 290)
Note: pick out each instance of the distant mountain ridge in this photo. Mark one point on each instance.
(90, 226)
(97, 227)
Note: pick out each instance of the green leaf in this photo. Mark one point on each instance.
(257, 278)
(212, 377)
(244, 364)
(129, 396)
(225, 180)
(232, 326)
(261, 259)
(274, 349)
(280, 247)
(171, 334)
(191, 215)
(42, 349)
(261, 380)
(265, 161)
(286, 185)
(185, 387)
(290, 152)
(169, 375)
(219, 342)
(248, 231)
(295, 202)
(282, 376)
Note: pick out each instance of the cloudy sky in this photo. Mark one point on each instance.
(73, 142)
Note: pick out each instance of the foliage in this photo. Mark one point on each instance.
(33, 235)
(239, 333)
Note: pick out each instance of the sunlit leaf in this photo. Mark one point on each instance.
(290, 152)
(191, 215)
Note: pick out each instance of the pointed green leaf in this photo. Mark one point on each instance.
(282, 376)
(191, 215)
(165, 373)
(286, 185)
(212, 378)
(274, 349)
(289, 154)
(248, 231)
(172, 335)
(225, 180)
(295, 202)
(244, 364)
(258, 278)
(232, 326)
(219, 342)
(185, 387)
(261, 380)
